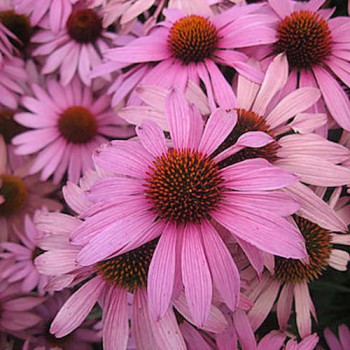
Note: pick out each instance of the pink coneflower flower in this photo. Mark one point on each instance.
(317, 50)
(189, 47)
(112, 281)
(292, 277)
(69, 122)
(284, 115)
(17, 309)
(77, 48)
(177, 192)
(23, 194)
(42, 339)
(23, 268)
(344, 338)
(57, 11)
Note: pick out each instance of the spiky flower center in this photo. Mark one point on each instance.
(192, 39)
(128, 270)
(18, 25)
(183, 186)
(77, 125)
(248, 121)
(305, 38)
(84, 26)
(15, 194)
(318, 246)
(8, 127)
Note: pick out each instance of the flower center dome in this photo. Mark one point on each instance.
(77, 125)
(192, 39)
(128, 270)
(84, 26)
(183, 186)
(15, 194)
(305, 38)
(318, 246)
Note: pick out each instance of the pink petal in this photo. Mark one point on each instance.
(284, 306)
(282, 8)
(123, 157)
(344, 336)
(58, 262)
(336, 100)
(217, 128)
(222, 267)
(152, 138)
(141, 327)
(196, 275)
(244, 330)
(271, 85)
(162, 273)
(177, 112)
(332, 340)
(115, 319)
(267, 231)
(77, 307)
(193, 338)
(256, 175)
(303, 307)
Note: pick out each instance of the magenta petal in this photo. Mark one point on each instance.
(162, 273)
(244, 330)
(265, 230)
(336, 100)
(141, 327)
(152, 138)
(177, 112)
(115, 319)
(77, 307)
(196, 275)
(217, 128)
(222, 267)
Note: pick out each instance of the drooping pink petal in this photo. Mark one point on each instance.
(244, 330)
(196, 275)
(152, 138)
(222, 267)
(115, 319)
(284, 306)
(162, 273)
(77, 307)
(217, 128)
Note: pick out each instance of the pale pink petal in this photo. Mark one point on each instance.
(77, 307)
(196, 275)
(339, 260)
(271, 85)
(282, 8)
(244, 330)
(167, 332)
(303, 307)
(272, 341)
(152, 138)
(21, 304)
(336, 99)
(217, 128)
(145, 49)
(256, 175)
(296, 102)
(224, 95)
(115, 318)
(136, 9)
(161, 273)
(305, 123)
(315, 209)
(263, 305)
(253, 254)
(177, 113)
(123, 157)
(267, 231)
(12, 322)
(222, 267)
(141, 327)
(58, 262)
(284, 306)
(216, 322)
(75, 197)
(316, 170)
